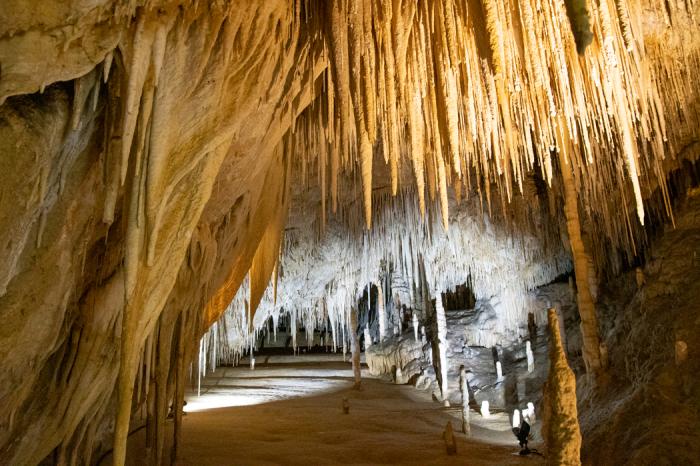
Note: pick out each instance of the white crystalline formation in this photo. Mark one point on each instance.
(323, 277)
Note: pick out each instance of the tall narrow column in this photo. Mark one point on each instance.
(560, 421)
(442, 342)
(355, 344)
(415, 326)
(586, 309)
(464, 388)
(381, 313)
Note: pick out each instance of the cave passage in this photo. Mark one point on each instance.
(474, 225)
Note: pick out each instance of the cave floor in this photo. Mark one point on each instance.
(290, 413)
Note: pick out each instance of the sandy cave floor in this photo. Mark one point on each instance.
(288, 412)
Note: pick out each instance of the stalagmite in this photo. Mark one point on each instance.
(368, 338)
(415, 327)
(355, 346)
(442, 344)
(516, 418)
(450, 441)
(464, 389)
(531, 326)
(499, 372)
(639, 276)
(681, 353)
(560, 419)
(381, 313)
(485, 413)
(586, 309)
(530, 357)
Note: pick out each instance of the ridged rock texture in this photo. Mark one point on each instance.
(560, 418)
(151, 152)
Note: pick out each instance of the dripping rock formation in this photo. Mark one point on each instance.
(188, 184)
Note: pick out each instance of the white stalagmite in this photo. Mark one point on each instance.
(415, 326)
(464, 389)
(499, 371)
(485, 413)
(252, 357)
(368, 338)
(199, 369)
(381, 313)
(516, 418)
(530, 356)
(442, 342)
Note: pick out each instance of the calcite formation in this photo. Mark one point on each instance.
(170, 164)
(561, 430)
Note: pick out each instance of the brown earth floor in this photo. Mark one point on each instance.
(298, 420)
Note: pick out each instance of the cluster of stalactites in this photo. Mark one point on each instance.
(479, 107)
(321, 280)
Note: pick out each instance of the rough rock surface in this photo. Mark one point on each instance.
(648, 415)
(560, 429)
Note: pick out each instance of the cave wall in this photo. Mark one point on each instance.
(104, 186)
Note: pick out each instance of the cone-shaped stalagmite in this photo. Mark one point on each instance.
(560, 419)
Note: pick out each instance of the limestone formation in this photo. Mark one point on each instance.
(681, 352)
(442, 345)
(381, 314)
(485, 412)
(450, 441)
(560, 419)
(169, 165)
(530, 356)
(415, 326)
(355, 347)
(516, 418)
(464, 390)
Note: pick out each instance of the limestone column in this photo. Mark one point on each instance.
(355, 347)
(586, 308)
(530, 356)
(381, 313)
(442, 342)
(464, 388)
(415, 326)
(560, 418)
